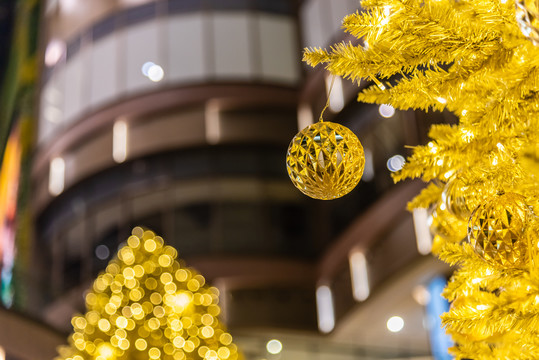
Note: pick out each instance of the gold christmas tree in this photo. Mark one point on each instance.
(146, 305)
(477, 59)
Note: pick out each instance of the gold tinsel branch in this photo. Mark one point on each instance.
(471, 58)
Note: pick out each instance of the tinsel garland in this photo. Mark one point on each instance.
(471, 58)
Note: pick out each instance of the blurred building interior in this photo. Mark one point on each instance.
(176, 115)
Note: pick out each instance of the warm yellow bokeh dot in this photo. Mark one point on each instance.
(207, 319)
(140, 344)
(165, 260)
(181, 275)
(207, 331)
(121, 333)
(178, 342)
(189, 346)
(121, 322)
(91, 299)
(93, 317)
(225, 339)
(159, 311)
(77, 357)
(150, 245)
(127, 256)
(166, 278)
(124, 344)
(156, 298)
(203, 350)
(154, 324)
(133, 241)
(110, 308)
(193, 285)
(223, 352)
(79, 322)
(103, 325)
(138, 232)
(129, 273)
(80, 344)
(150, 283)
(139, 270)
(176, 325)
(135, 295)
(154, 353)
(168, 349)
(170, 288)
(179, 355)
(211, 355)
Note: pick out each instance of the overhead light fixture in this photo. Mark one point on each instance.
(395, 324)
(119, 141)
(386, 110)
(360, 278)
(324, 307)
(54, 52)
(274, 346)
(422, 231)
(56, 176)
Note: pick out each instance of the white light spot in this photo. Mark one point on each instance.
(145, 67)
(422, 232)
(395, 324)
(52, 114)
(212, 120)
(395, 163)
(56, 176)
(440, 162)
(2, 354)
(441, 100)
(324, 307)
(360, 276)
(274, 346)
(102, 252)
(386, 111)
(481, 307)
(119, 141)
(336, 97)
(464, 112)
(54, 52)
(421, 295)
(156, 73)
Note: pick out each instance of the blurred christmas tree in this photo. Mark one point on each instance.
(148, 306)
(478, 59)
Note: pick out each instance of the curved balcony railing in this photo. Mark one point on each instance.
(188, 42)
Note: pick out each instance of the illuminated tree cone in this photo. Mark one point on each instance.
(496, 230)
(148, 306)
(325, 160)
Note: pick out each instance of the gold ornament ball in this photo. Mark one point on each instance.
(445, 225)
(461, 198)
(325, 160)
(496, 230)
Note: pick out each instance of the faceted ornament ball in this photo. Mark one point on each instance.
(496, 230)
(459, 198)
(442, 224)
(527, 15)
(325, 161)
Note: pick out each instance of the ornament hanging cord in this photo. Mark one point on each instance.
(329, 97)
